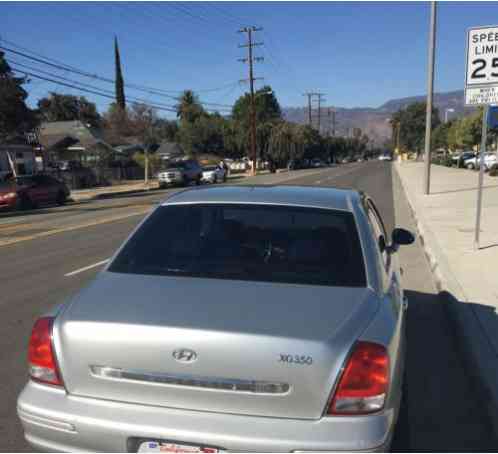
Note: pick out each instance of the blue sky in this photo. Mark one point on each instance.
(358, 54)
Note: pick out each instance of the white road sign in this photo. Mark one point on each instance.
(481, 82)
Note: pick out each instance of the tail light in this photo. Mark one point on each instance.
(41, 357)
(364, 382)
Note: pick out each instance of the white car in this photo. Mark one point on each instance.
(474, 163)
(213, 174)
(385, 157)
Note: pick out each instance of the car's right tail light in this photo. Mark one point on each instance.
(364, 382)
(41, 357)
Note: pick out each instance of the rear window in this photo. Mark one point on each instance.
(247, 242)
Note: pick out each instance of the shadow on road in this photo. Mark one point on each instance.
(464, 190)
(442, 408)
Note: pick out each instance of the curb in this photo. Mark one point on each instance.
(109, 195)
(481, 360)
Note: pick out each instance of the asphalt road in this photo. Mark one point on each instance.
(440, 411)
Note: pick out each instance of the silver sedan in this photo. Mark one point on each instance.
(233, 318)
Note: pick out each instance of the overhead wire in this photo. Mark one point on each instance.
(83, 73)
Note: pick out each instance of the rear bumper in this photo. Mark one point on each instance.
(56, 421)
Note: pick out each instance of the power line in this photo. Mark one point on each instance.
(86, 90)
(64, 67)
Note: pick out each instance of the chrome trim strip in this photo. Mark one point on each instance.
(191, 381)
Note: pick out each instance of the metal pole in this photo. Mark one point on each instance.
(428, 115)
(146, 165)
(481, 176)
(309, 109)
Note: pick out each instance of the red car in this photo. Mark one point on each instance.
(28, 192)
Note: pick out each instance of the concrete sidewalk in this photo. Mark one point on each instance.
(468, 278)
(95, 193)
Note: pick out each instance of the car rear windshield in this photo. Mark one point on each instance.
(248, 242)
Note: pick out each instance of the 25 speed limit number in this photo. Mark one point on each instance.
(482, 56)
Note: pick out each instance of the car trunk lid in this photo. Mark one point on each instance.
(240, 347)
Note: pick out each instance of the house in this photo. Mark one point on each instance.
(170, 150)
(73, 141)
(17, 154)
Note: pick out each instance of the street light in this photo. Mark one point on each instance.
(446, 114)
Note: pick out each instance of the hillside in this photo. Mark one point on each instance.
(375, 121)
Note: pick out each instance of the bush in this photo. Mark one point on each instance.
(442, 161)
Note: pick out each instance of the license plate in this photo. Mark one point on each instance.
(164, 446)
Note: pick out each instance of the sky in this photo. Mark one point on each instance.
(356, 53)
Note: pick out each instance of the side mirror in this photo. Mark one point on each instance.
(402, 237)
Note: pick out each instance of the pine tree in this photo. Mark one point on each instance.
(15, 117)
(120, 96)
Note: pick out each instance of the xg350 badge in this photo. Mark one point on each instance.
(296, 359)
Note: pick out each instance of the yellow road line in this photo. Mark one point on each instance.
(10, 241)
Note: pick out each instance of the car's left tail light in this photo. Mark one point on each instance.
(41, 356)
(364, 382)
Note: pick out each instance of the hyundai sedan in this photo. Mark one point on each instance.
(232, 319)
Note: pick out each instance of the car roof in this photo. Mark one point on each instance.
(306, 196)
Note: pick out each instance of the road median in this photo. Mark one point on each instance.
(466, 278)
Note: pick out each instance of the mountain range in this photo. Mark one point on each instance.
(375, 121)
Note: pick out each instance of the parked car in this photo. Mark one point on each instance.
(458, 159)
(180, 173)
(385, 157)
(213, 174)
(296, 164)
(27, 192)
(304, 342)
(475, 162)
(317, 163)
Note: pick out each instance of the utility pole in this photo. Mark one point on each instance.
(333, 122)
(430, 87)
(314, 97)
(250, 59)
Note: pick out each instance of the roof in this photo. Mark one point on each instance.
(67, 133)
(308, 196)
(170, 149)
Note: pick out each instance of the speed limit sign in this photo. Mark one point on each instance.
(481, 83)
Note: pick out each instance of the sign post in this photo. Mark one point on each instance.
(481, 88)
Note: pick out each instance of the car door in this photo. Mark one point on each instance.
(53, 186)
(388, 260)
(393, 292)
(38, 191)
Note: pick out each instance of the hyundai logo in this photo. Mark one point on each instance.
(184, 355)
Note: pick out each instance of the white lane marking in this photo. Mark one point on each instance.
(89, 267)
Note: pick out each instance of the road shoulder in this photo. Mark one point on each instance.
(472, 308)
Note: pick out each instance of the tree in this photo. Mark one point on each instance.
(189, 108)
(116, 124)
(165, 130)
(267, 111)
(440, 135)
(15, 116)
(57, 107)
(412, 125)
(266, 106)
(120, 95)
